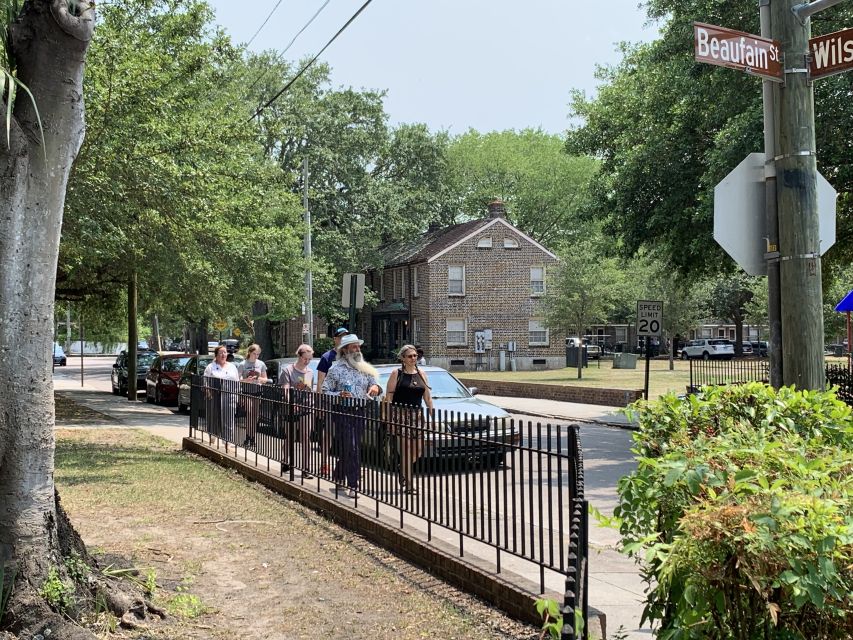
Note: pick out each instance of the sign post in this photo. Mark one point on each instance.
(649, 324)
(352, 295)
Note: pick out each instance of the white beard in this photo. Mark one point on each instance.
(357, 362)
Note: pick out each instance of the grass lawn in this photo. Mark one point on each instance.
(602, 374)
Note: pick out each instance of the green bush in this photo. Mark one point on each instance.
(739, 514)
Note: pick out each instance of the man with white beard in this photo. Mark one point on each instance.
(351, 376)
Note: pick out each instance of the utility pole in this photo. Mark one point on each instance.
(774, 308)
(309, 282)
(796, 193)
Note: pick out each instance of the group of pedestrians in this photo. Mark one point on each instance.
(342, 372)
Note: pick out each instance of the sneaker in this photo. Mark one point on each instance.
(306, 476)
(351, 493)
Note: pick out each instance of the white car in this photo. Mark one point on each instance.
(708, 348)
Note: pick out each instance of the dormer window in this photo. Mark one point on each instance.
(510, 243)
(484, 243)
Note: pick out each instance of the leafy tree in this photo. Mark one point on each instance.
(729, 297)
(581, 290)
(540, 184)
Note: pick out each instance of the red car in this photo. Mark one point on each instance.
(161, 383)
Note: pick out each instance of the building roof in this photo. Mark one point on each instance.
(436, 242)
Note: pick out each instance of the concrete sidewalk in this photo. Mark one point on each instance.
(615, 587)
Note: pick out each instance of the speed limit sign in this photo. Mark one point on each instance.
(649, 317)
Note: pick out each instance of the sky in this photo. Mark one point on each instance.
(454, 64)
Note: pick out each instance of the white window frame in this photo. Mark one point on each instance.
(485, 242)
(456, 330)
(455, 293)
(416, 330)
(511, 243)
(533, 290)
(536, 325)
(415, 292)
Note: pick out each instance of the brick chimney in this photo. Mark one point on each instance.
(496, 209)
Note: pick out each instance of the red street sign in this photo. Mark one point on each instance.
(737, 50)
(831, 54)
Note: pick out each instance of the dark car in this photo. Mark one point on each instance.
(195, 366)
(759, 348)
(161, 383)
(231, 344)
(59, 358)
(118, 377)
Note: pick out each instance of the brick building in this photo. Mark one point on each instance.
(456, 286)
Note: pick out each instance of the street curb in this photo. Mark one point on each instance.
(603, 423)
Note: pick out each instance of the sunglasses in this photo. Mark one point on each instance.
(411, 355)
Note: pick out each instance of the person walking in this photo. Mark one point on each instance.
(350, 377)
(253, 374)
(324, 425)
(328, 358)
(299, 377)
(221, 377)
(407, 390)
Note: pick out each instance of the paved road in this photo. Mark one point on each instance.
(614, 585)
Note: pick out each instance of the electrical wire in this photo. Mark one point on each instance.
(280, 56)
(310, 62)
(264, 23)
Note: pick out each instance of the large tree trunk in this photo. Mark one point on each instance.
(49, 47)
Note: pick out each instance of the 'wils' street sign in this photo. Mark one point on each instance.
(831, 54)
(737, 50)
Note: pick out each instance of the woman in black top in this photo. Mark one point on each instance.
(408, 388)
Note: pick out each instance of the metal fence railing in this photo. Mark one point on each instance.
(515, 487)
(720, 372)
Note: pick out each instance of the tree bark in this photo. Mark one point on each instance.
(49, 46)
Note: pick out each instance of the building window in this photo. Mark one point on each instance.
(415, 292)
(456, 281)
(404, 293)
(510, 243)
(484, 243)
(382, 286)
(537, 281)
(537, 334)
(395, 284)
(721, 333)
(621, 334)
(456, 332)
(416, 330)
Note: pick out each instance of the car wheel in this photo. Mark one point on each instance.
(182, 408)
(116, 391)
(684, 355)
(148, 397)
(706, 355)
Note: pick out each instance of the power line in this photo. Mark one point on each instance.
(310, 62)
(264, 23)
(280, 56)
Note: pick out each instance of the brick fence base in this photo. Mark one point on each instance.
(565, 393)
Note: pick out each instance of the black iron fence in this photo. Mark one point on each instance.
(719, 372)
(515, 487)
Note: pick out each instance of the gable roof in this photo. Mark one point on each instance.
(434, 244)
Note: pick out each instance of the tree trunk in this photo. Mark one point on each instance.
(261, 328)
(49, 46)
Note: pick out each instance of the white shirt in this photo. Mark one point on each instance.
(226, 372)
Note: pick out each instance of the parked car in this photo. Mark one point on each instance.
(232, 344)
(161, 383)
(746, 348)
(211, 345)
(593, 352)
(708, 348)
(119, 374)
(759, 347)
(59, 358)
(195, 365)
(463, 417)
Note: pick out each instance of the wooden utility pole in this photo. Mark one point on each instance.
(796, 191)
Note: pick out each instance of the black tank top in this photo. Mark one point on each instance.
(409, 390)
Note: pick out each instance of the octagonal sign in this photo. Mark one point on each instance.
(739, 203)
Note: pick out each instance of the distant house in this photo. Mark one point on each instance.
(469, 294)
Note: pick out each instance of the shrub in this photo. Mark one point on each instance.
(739, 514)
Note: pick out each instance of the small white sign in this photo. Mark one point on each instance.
(359, 290)
(649, 317)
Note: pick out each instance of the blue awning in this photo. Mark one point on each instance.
(846, 304)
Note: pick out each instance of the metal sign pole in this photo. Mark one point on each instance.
(648, 358)
(353, 280)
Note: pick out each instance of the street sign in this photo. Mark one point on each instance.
(831, 54)
(739, 211)
(737, 50)
(220, 325)
(649, 317)
(236, 332)
(359, 290)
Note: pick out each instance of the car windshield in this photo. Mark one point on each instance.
(145, 359)
(441, 383)
(174, 364)
(718, 342)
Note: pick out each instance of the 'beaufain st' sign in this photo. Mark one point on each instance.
(737, 50)
(831, 54)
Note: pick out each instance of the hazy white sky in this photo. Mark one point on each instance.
(454, 64)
